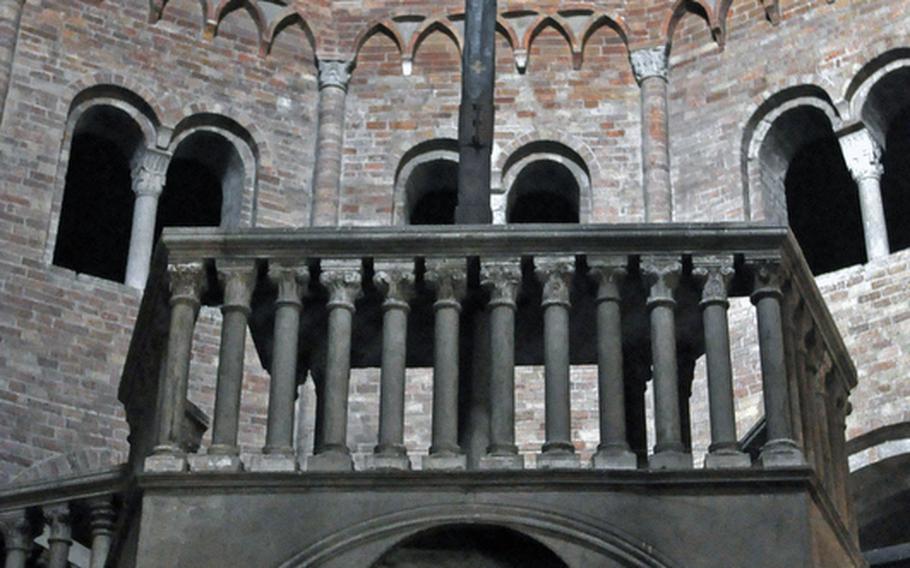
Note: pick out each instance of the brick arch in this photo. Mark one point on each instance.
(74, 463)
(862, 104)
(440, 148)
(286, 19)
(682, 8)
(386, 27)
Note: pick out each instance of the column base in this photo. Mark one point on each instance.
(558, 460)
(272, 462)
(439, 462)
(215, 462)
(491, 461)
(614, 458)
(727, 459)
(330, 461)
(164, 463)
(395, 461)
(781, 453)
(670, 459)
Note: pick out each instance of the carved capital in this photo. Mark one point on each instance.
(395, 280)
(17, 531)
(342, 278)
(767, 276)
(662, 274)
(292, 281)
(58, 520)
(649, 62)
(555, 273)
(334, 73)
(862, 155)
(102, 515)
(238, 278)
(502, 278)
(713, 274)
(150, 173)
(609, 273)
(449, 278)
(187, 282)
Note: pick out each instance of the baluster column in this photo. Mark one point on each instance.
(780, 450)
(613, 452)
(238, 278)
(650, 66)
(292, 281)
(342, 278)
(449, 280)
(101, 517)
(663, 274)
(148, 183)
(395, 280)
(187, 282)
(555, 273)
(502, 278)
(714, 275)
(17, 538)
(60, 539)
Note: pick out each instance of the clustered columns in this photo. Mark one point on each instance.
(863, 157)
(555, 273)
(650, 66)
(395, 280)
(10, 14)
(448, 278)
(334, 76)
(502, 278)
(714, 275)
(780, 450)
(662, 273)
(148, 183)
(613, 451)
(342, 278)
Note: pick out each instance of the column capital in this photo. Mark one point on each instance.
(608, 272)
(58, 519)
(17, 531)
(555, 273)
(187, 282)
(150, 173)
(102, 515)
(662, 274)
(767, 276)
(713, 274)
(238, 278)
(395, 280)
(343, 279)
(449, 278)
(649, 62)
(502, 278)
(862, 155)
(334, 73)
(291, 279)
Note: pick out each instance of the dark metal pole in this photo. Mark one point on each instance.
(475, 124)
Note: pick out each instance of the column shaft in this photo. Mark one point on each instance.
(333, 84)
(10, 16)
(148, 183)
(102, 517)
(17, 538)
(60, 538)
(651, 71)
(875, 229)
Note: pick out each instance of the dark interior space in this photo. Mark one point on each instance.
(432, 190)
(896, 182)
(544, 192)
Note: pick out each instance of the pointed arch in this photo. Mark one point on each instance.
(157, 8)
(441, 25)
(682, 8)
(600, 20)
(286, 19)
(223, 8)
(544, 21)
(386, 27)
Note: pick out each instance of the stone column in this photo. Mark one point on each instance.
(613, 452)
(650, 66)
(663, 274)
(102, 517)
(449, 279)
(342, 278)
(10, 16)
(395, 281)
(502, 278)
(238, 278)
(60, 538)
(292, 281)
(863, 157)
(187, 282)
(148, 183)
(780, 450)
(714, 275)
(17, 538)
(333, 87)
(555, 273)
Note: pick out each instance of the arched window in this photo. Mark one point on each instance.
(545, 191)
(426, 187)
(93, 234)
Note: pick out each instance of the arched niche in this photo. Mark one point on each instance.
(545, 182)
(426, 184)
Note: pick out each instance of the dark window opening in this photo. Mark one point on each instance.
(432, 190)
(93, 235)
(896, 182)
(823, 207)
(544, 192)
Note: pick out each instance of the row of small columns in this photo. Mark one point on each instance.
(502, 279)
(19, 534)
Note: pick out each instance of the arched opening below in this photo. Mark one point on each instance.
(896, 181)
(823, 207)
(93, 236)
(432, 192)
(478, 546)
(544, 192)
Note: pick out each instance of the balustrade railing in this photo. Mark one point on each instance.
(642, 302)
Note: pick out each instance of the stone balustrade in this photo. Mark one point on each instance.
(640, 302)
